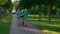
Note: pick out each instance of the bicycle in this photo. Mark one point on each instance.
(23, 22)
(18, 21)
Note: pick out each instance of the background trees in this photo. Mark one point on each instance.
(35, 7)
(45, 7)
(5, 7)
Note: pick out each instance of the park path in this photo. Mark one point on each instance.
(30, 29)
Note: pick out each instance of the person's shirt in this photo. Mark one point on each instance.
(25, 13)
(18, 12)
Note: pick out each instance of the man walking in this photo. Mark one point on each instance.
(18, 13)
(25, 16)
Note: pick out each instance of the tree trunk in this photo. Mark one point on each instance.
(49, 11)
(49, 14)
(39, 15)
(30, 14)
(0, 12)
(34, 15)
(34, 11)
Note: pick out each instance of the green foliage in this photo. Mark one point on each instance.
(25, 3)
(2, 2)
(42, 5)
(8, 4)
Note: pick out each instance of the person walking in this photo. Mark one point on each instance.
(18, 13)
(25, 16)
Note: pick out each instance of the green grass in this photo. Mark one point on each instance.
(5, 25)
(53, 28)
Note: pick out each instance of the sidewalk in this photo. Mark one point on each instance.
(30, 29)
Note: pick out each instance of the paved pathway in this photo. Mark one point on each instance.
(30, 29)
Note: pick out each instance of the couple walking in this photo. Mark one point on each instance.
(22, 16)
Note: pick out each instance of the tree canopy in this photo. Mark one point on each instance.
(2, 2)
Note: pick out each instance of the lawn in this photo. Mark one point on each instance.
(53, 28)
(5, 25)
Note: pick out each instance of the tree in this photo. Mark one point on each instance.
(2, 2)
(8, 4)
(4, 5)
(49, 3)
